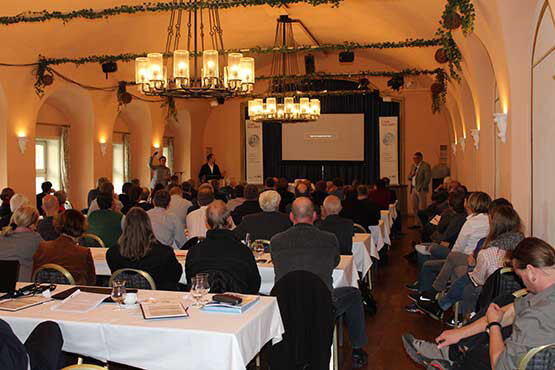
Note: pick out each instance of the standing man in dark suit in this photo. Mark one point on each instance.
(265, 224)
(209, 170)
(46, 189)
(341, 227)
(305, 247)
(420, 176)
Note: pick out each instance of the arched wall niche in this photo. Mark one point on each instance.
(75, 106)
(3, 138)
(136, 116)
(543, 132)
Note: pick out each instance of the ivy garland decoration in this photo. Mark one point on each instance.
(45, 15)
(451, 19)
(172, 111)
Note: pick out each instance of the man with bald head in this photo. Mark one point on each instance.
(222, 253)
(341, 227)
(45, 226)
(305, 247)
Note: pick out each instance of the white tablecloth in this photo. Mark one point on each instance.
(344, 274)
(387, 223)
(205, 340)
(364, 248)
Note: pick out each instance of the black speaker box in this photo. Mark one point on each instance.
(346, 57)
(309, 65)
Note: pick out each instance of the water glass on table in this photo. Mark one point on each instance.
(199, 288)
(118, 292)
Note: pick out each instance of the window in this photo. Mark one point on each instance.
(47, 163)
(118, 167)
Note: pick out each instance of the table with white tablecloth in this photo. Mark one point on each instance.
(345, 274)
(205, 340)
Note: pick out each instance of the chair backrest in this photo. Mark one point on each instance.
(134, 279)
(9, 273)
(91, 240)
(52, 273)
(502, 282)
(85, 367)
(307, 313)
(359, 229)
(189, 243)
(538, 358)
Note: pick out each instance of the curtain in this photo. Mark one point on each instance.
(170, 153)
(367, 171)
(65, 160)
(126, 158)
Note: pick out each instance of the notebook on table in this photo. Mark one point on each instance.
(247, 301)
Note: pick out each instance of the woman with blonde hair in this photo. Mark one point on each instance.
(22, 242)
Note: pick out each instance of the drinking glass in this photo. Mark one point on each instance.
(248, 240)
(118, 292)
(203, 287)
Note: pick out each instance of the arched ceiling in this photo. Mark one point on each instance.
(353, 20)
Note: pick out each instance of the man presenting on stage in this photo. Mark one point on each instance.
(160, 173)
(209, 170)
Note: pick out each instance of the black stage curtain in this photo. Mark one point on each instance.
(367, 171)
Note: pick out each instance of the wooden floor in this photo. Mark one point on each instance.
(384, 330)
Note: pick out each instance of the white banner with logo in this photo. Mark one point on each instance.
(253, 151)
(389, 149)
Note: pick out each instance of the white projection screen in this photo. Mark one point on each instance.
(334, 137)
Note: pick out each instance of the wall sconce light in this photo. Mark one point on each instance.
(157, 145)
(501, 120)
(103, 146)
(22, 140)
(462, 141)
(475, 132)
(454, 148)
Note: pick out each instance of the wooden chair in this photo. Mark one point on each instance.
(538, 358)
(52, 273)
(359, 229)
(91, 240)
(134, 279)
(85, 367)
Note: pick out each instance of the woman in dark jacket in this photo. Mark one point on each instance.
(138, 249)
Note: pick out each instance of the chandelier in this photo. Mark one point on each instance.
(288, 108)
(235, 79)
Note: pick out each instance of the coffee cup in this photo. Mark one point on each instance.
(130, 298)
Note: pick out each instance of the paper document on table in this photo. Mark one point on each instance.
(158, 310)
(21, 303)
(80, 302)
(435, 220)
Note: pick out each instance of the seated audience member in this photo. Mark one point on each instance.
(138, 248)
(134, 196)
(105, 223)
(500, 338)
(144, 202)
(66, 251)
(136, 182)
(504, 235)
(392, 193)
(5, 211)
(42, 348)
(217, 193)
(351, 206)
(174, 181)
(454, 266)
(156, 188)
(341, 227)
(287, 197)
(63, 203)
(222, 253)
(305, 247)
(320, 193)
(269, 184)
(94, 192)
(302, 189)
(167, 228)
(179, 206)
(46, 189)
(229, 185)
(249, 206)
(337, 189)
(237, 199)
(196, 220)
(45, 226)
(368, 214)
(380, 195)
(21, 243)
(107, 187)
(265, 224)
(124, 197)
(16, 201)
